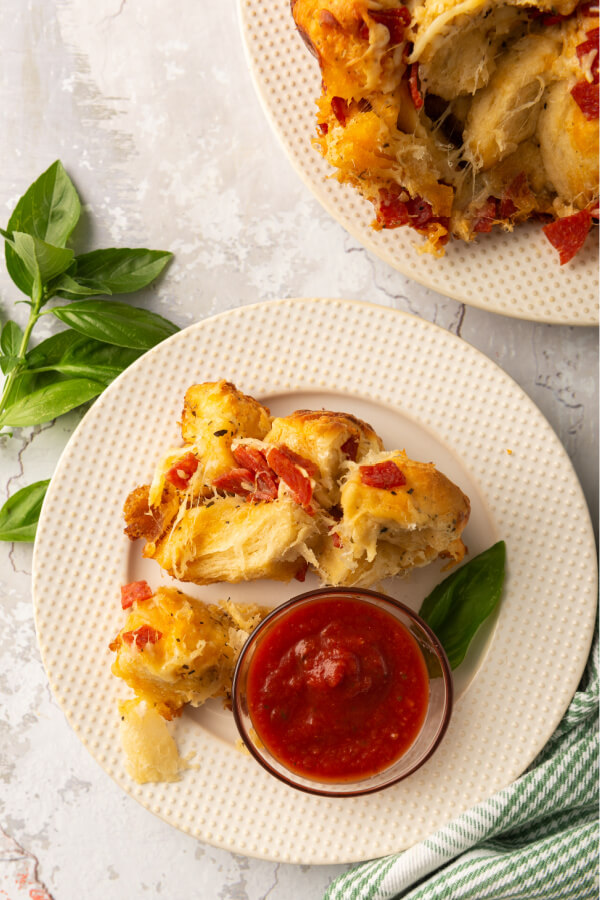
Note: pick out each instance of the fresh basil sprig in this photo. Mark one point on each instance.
(19, 515)
(456, 608)
(104, 336)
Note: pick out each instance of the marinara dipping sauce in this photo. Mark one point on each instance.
(337, 689)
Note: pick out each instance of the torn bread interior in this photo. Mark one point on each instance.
(172, 650)
(271, 498)
(455, 117)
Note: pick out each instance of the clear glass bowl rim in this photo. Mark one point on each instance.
(319, 787)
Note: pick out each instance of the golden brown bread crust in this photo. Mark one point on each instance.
(328, 439)
(388, 531)
(231, 540)
(456, 117)
(220, 406)
(145, 521)
(194, 655)
(319, 512)
(214, 415)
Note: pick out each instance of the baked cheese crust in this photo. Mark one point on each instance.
(457, 116)
(312, 489)
(194, 653)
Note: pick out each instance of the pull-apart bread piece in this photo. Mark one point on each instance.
(171, 651)
(397, 514)
(327, 440)
(248, 497)
(174, 649)
(457, 116)
(195, 517)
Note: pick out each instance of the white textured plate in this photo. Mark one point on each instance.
(516, 274)
(423, 389)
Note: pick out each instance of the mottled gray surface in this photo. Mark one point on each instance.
(150, 107)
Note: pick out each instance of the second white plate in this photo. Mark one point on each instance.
(516, 274)
(422, 389)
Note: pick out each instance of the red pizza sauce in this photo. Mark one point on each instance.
(337, 690)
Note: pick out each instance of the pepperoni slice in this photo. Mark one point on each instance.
(250, 458)
(485, 216)
(266, 487)
(142, 636)
(568, 235)
(419, 211)
(413, 84)
(339, 107)
(236, 481)
(363, 30)
(416, 212)
(302, 570)
(385, 475)
(135, 592)
(588, 47)
(395, 20)
(336, 540)
(180, 474)
(392, 212)
(518, 188)
(307, 464)
(298, 483)
(328, 20)
(350, 447)
(585, 96)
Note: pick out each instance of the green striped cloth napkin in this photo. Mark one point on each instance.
(538, 838)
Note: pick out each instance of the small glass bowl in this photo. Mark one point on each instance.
(434, 725)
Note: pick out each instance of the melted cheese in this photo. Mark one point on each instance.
(150, 752)
(440, 15)
(194, 657)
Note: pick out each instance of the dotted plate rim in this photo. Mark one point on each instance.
(425, 372)
(517, 274)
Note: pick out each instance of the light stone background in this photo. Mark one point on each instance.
(150, 107)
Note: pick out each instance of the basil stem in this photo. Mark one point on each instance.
(72, 367)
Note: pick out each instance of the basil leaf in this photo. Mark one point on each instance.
(19, 515)
(10, 344)
(121, 270)
(53, 349)
(74, 354)
(50, 401)
(456, 608)
(10, 339)
(8, 363)
(70, 288)
(37, 259)
(116, 323)
(23, 385)
(49, 210)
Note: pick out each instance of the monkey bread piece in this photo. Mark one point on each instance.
(505, 113)
(219, 410)
(317, 489)
(458, 116)
(230, 539)
(328, 440)
(175, 650)
(335, 34)
(172, 650)
(398, 514)
(569, 148)
(146, 521)
(214, 415)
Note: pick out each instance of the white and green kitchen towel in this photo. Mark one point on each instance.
(535, 840)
